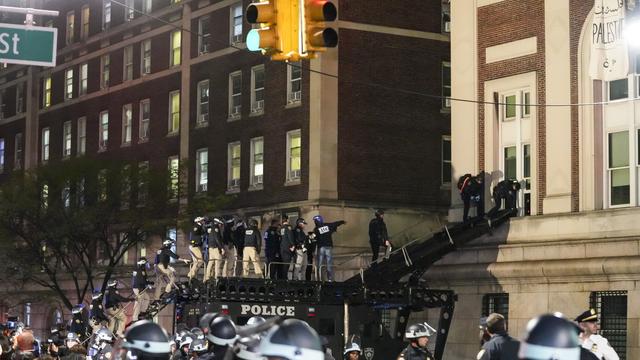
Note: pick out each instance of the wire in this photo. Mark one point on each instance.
(368, 83)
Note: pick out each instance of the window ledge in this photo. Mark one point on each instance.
(172, 134)
(256, 187)
(445, 110)
(142, 141)
(233, 118)
(256, 113)
(102, 150)
(125, 145)
(66, 157)
(292, 182)
(201, 125)
(293, 105)
(232, 191)
(445, 186)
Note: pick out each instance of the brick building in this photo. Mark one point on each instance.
(577, 166)
(159, 83)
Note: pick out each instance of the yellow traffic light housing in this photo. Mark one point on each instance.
(279, 31)
(316, 35)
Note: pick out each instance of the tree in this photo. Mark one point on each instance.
(67, 227)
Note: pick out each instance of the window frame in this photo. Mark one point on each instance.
(105, 71)
(233, 114)
(143, 120)
(17, 152)
(127, 63)
(291, 178)
(145, 57)
(45, 144)
(147, 6)
(204, 38)
(106, 15)
(127, 124)
(446, 88)
(294, 97)
(68, 84)
(235, 39)
(20, 97)
(608, 90)
(129, 10)
(233, 184)
(70, 27)
(175, 50)
(81, 136)
(66, 139)
(253, 181)
(202, 174)
(610, 170)
(142, 191)
(103, 131)
(83, 83)
(85, 17)
(46, 91)
(443, 161)
(199, 114)
(173, 192)
(257, 106)
(171, 129)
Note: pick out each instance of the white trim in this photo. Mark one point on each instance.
(511, 50)
(140, 118)
(252, 163)
(393, 31)
(257, 107)
(233, 38)
(234, 112)
(199, 121)
(126, 107)
(233, 183)
(293, 175)
(170, 129)
(198, 176)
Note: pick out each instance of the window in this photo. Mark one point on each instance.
(66, 139)
(145, 63)
(145, 115)
(44, 196)
(496, 303)
(84, 79)
(294, 82)
(526, 108)
(510, 167)
(173, 165)
(234, 166)
(71, 19)
(203, 35)
(174, 112)
(84, 15)
(446, 160)
(82, 136)
(176, 37)
(446, 85)
(510, 107)
(127, 120)
(66, 195)
(106, 14)
(294, 155)
(235, 94)
(1, 155)
(128, 63)
(68, 84)
(446, 16)
(203, 103)
(46, 92)
(125, 187)
(257, 89)
(129, 10)
(143, 183)
(45, 145)
(172, 232)
(257, 162)
(17, 154)
(147, 6)
(105, 61)
(20, 98)
(202, 170)
(526, 174)
(618, 89)
(27, 314)
(612, 309)
(619, 181)
(236, 23)
(104, 131)
(102, 185)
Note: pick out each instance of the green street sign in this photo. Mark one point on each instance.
(28, 45)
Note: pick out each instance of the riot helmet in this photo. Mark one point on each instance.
(206, 320)
(198, 333)
(292, 340)
(379, 213)
(77, 309)
(222, 331)
(198, 346)
(351, 347)
(104, 335)
(146, 340)
(247, 349)
(419, 330)
(143, 261)
(96, 295)
(167, 243)
(318, 220)
(550, 336)
(112, 283)
(255, 320)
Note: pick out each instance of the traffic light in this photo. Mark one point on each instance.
(316, 35)
(279, 31)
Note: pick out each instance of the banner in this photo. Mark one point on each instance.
(609, 55)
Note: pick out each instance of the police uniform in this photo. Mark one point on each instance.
(104, 352)
(272, 250)
(251, 251)
(78, 322)
(117, 317)
(300, 240)
(287, 249)
(140, 289)
(415, 353)
(195, 247)
(214, 267)
(96, 314)
(163, 258)
(595, 343)
(323, 233)
(501, 346)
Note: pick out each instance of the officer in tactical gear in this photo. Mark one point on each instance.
(418, 336)
(166, 275)
(103, 344)
(78, 321)
(300, 241)
(501, 345)
(216, 250)
(589, 338)
(141, 287)
(246, 348)
(293, 339)
(550, 336)
(506, 190)
(198, 237)
(221, 335)
(272, 248)
(97, 317)
(146, 340)
(252, 247)
(471, 190)
(378, 235)
(239, 228)
(113, 302)
(323, 233)
(352, 351)
(198, 349)
(230, 253)
(183, 351)
(287, 248)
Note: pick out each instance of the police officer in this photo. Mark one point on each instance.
(103, 344)
(247, 348)
(141, 286)
(378, 235)
(97, 317)
(146, 340)
(300, 241)
(352, 351)
(78, 321)
(504, 190)
(598, 345)
(418, 336)
(323, 233)
(501, 345)
(239, 229)
(252, 247)
(287, 247)
(112, 301)
(550, 336)
(221, 335)
(198, 235)
(216, 250)
(230, 257)
(272, 248)
(184, 342)
(166, 275)
(293, 339)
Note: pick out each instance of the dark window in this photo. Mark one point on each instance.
(327, 327)
(496, 303)
(612, 307)
(618, 89)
